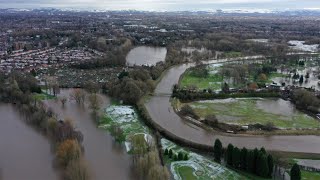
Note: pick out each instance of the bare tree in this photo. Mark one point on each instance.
(78, 95)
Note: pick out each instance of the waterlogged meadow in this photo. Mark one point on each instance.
(246, 111)
(123, 123)
(197, 166)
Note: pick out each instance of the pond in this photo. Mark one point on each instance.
(244, 111)
(24, 152)
(145, 55)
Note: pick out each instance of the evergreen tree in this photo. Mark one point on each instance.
(270, 164)
(166, 152)
(295, 173)
(255, 157)
(263, 150)
(170, 153)
(250, 162)
(236, 160)
(186, 157)
(243, 158)
(301, 79)
(217, 150)
(175, 157)
(262, 165)
(180, 156)
(229, 154)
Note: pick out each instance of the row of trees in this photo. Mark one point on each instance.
(190, 95)
(255, 161)
(176, 157)
(146, 161)
(63, 135)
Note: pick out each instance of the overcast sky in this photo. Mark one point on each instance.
(163, 4)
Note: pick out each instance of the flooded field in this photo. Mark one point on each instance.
(145, 55)
(311, 82)
(24, 152)
(245, 111)
(104, 156)
(161, 111)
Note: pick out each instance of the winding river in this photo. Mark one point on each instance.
(106, 159)
(24, 152)
(161, 111)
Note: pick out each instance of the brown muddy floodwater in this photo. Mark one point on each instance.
(161, 111)
(24, 152)
(106, 159)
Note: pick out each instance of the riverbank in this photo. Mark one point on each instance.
(163, 118)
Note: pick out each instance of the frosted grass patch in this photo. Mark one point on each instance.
(203, 167)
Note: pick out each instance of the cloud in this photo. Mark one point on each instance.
(164, 4)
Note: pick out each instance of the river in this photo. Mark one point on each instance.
(161, 111)
(24, 152)
(106, 159)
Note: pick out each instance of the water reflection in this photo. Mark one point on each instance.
(145, 55)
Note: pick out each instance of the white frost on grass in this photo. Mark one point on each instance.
(198, 163)
(121, 113)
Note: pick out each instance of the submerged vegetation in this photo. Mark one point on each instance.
(65, 139)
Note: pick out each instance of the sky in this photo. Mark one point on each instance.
(160, 5)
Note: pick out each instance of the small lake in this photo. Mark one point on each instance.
(24, 152)
(145, 55)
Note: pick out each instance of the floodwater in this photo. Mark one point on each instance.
(277, 106)
(106, 159)
(311, 82)
(145, 55)
(161, 111)
(24, 152)
(300, 46)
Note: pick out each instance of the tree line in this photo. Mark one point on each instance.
(257, 162)
(65, 139)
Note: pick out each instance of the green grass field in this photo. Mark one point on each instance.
(246, 111)
(307, 175)
(43, 96)
(212, 81)
(124, 117)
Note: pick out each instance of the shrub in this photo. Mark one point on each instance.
(67, 151)
(77, 170)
